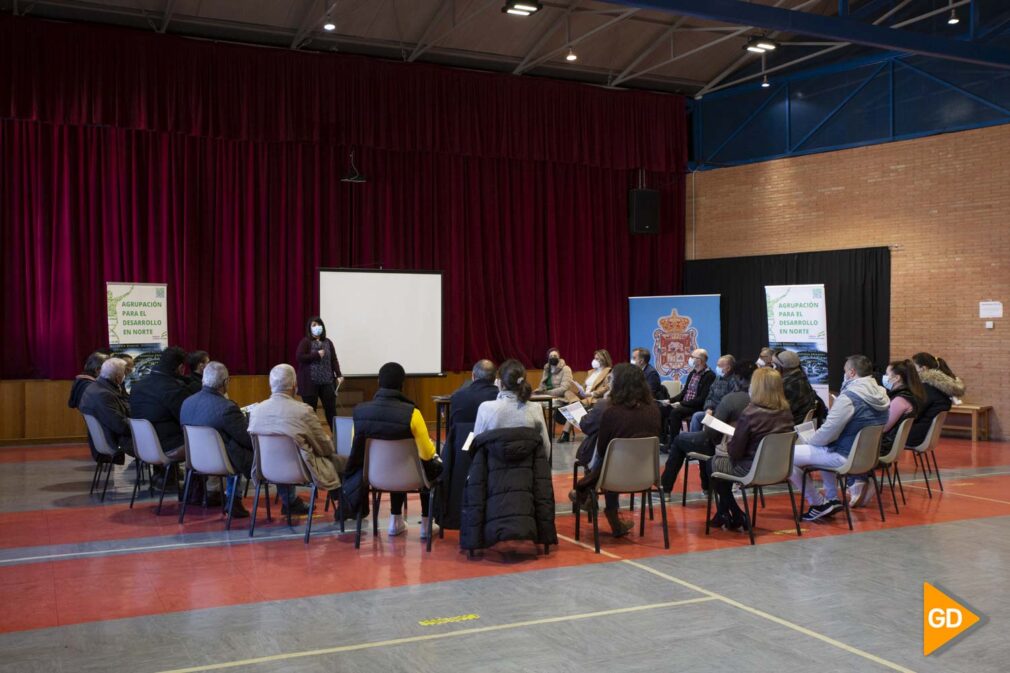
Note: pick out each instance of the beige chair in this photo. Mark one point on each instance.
(343, 427)
(863, 458)
(107, 454)
(773, 462)
(206, 455)
(688, 457)
(922, 452)
(278, 461)
(889, 462)
(393, 466)
(147, 446)
(810, 415)
(629, 466)
(672, 387)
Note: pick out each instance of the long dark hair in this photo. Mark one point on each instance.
(308, 328)
(512, 375)
(629, 388)
(929, 362)
(910, 377)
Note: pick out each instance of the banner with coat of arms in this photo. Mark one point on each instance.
(673, 326)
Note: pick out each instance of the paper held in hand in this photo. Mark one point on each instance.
(804, 431)
(573, 412)
(716, 424)
(468, 442)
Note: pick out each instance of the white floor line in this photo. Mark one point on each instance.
(963, 495)
(436, 636)
(754, 611)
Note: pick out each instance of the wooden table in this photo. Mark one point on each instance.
(979, 414)
(442, 410)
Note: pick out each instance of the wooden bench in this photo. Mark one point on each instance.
(979, 428)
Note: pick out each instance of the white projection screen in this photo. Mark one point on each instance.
(375, 317)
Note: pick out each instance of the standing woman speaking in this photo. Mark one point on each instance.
(318, 369)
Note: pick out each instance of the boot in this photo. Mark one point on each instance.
(618, 526)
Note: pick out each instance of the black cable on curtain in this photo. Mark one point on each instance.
(857, 284)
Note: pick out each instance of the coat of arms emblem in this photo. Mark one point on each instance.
(672, 344)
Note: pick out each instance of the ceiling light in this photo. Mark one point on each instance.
(571, 55)
(767, 45)
(755, 49)
(764, 82)
(521, 7)
(329, 25)
(953, 20)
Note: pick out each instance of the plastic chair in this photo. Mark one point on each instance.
(206, 455)
(672, 388)
(279, 461)
(863, 459)
(698, 458)
(630, 466)
(107, 452)
(393, 466)
(773, 463)
(343, 427)
(927, 448)
(889, 462)
(810, 415)
(147, 446)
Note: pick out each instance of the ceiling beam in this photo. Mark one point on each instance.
(829, 27)
(167, 15)
(678, 57)
(481, 5)
(572, 42)
(310, 19)
(546, 35)
(423, 44)
(651, 47)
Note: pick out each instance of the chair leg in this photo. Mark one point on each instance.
(761, 492)
(890, 482)
(326, 506)
(880, 501)
(431, 516)
(841, 481)
(312, 509)
(936, 467)
(929, 490)
(376, 501)
(687, 470)
(803, 491)
(136, 487)
(649, 495)
(662, 513)
(231, 499)
(575, 480)
(94, 476)
(266, 498)
(256, 506)
(631, 507)
(357, 535)
(578, 516)
(754, 515)
(185, 496)
(708, 506)
(796, 516)
(641, 525)
(897, 477)
(746, 513)
(596, 526)
(245, 493)
(108, 473)
(164, 485)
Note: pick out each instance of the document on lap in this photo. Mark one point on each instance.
(574, 412)
(804, 431)
(716, 424)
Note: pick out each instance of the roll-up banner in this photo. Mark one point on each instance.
(797, 321)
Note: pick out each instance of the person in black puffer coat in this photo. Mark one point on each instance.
(940, 385)
(509, 494)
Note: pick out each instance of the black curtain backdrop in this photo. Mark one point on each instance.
(857, 284)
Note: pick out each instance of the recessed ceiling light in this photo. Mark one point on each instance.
(329, 25)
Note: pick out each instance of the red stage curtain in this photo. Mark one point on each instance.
(126, 156)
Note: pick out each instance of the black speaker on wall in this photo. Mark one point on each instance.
(643, 211)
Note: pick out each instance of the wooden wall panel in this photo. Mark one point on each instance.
(12, 409)
(47, 413)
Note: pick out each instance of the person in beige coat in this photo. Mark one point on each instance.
(596, 386)
(282, 414)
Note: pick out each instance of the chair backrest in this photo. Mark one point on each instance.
(98, 437)
(206, 452)
(810, 415)
(773, 460)
(631, 465)
(900, 439)
(672, 387)
(146, 444)
(343, 427)
(279, 459)
(935, 428)
(865, 452)
(393, 465)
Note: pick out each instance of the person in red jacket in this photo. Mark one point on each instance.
(318, 369)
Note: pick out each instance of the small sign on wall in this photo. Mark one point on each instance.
(990, 309)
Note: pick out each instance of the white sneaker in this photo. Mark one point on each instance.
(424, 527)
(861, 494)
(397, 526)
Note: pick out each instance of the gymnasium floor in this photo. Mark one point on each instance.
(93, 587)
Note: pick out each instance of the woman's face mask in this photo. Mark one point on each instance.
(317, 330)
(596, 364)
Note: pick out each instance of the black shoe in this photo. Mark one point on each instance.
(565, 437)
(238, 510)
(584, 499)
(737, 523)
(820, 511)
(720, 521)
(298, 507)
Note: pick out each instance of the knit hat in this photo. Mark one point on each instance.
(787, 360)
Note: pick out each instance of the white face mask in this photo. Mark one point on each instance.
(692, 362)
(596, 364)
(760, 363)
(720, 371)
(317, 330)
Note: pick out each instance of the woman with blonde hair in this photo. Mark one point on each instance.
(767, 414)
(595, 388)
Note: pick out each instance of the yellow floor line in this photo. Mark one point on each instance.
(435, 636)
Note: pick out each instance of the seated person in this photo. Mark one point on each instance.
(860, 403)
(512, 407)
(767, 414)
(724, 383)
(942, 387)
(801, 396)
(705, 440)
(463, 403)
(692, 396)
(907, 395)
(211, 408)
(640, 357)
(631, 413)
(595, 387)
(130, 365)
(158, 398)
(92, 367)
(103, 401)
(390, 415)
(556, 381)
(766, 358)
(282, 414)
(195, 362)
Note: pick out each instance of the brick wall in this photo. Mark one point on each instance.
(943, 205)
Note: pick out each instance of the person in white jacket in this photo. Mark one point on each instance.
(861, 402)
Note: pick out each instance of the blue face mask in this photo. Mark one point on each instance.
(317, 330)
(720, 372)
(887, 383)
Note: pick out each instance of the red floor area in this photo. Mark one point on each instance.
(61, 592)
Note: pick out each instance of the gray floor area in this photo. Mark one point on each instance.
(864, 590)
